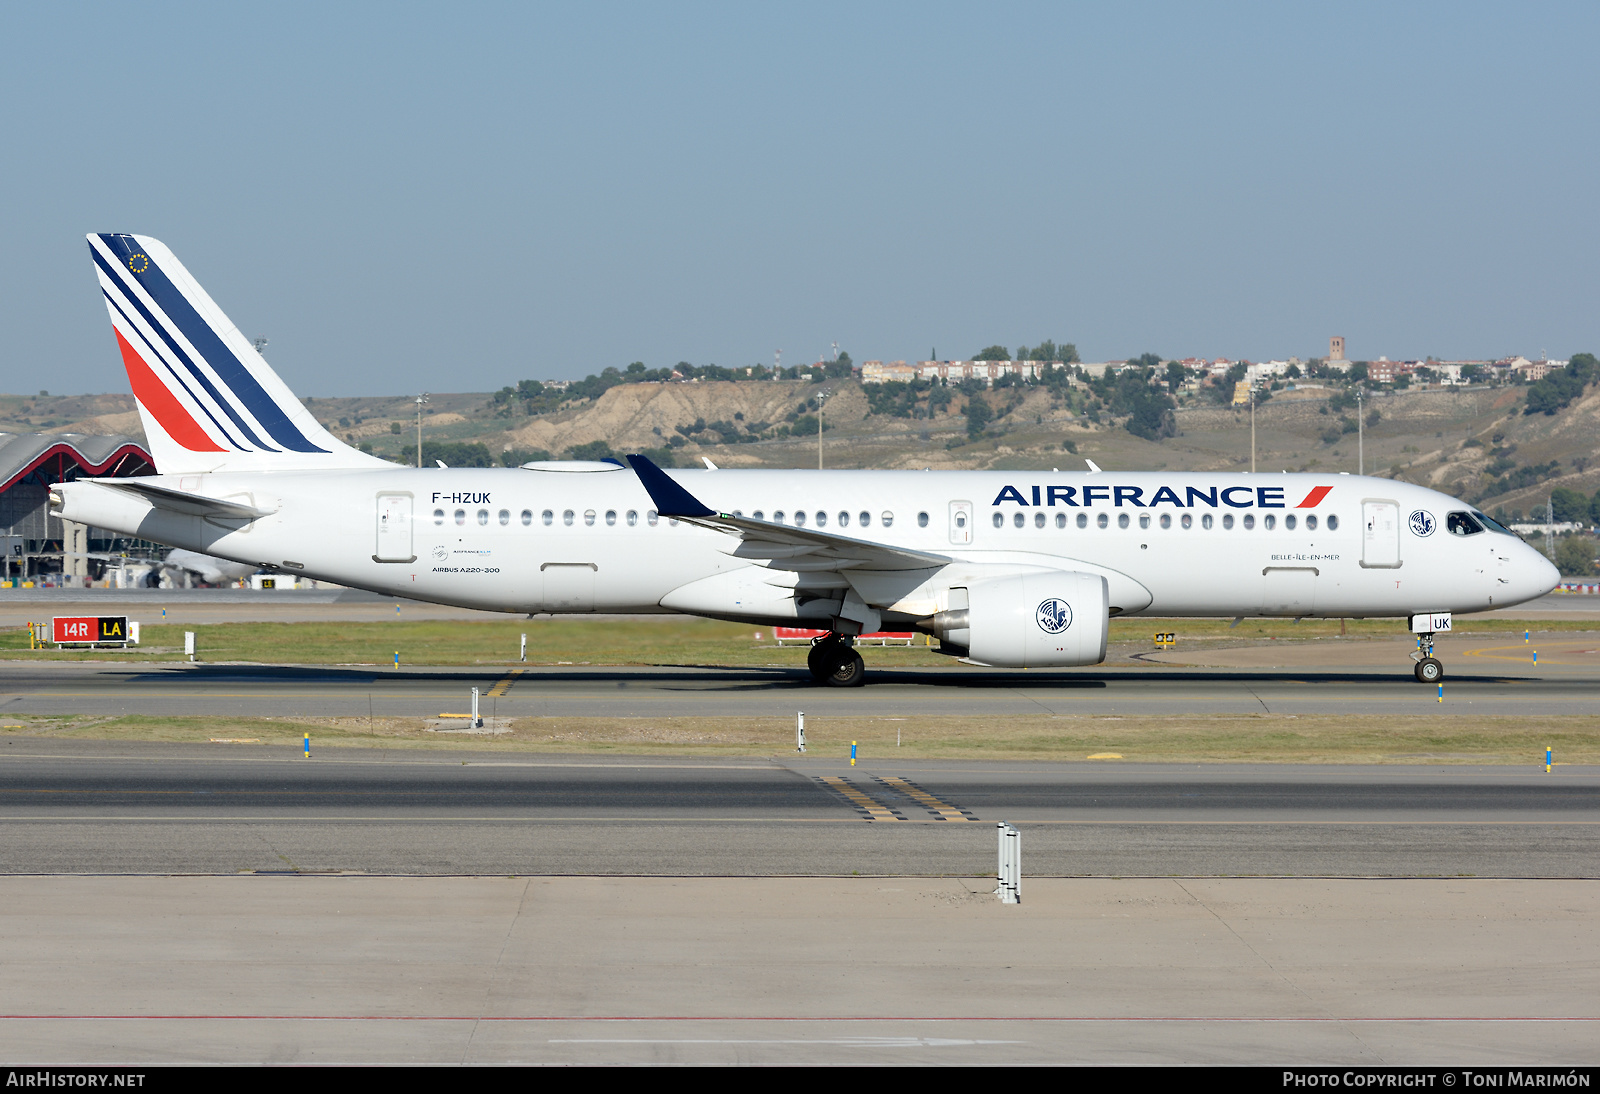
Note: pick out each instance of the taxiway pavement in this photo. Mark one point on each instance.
(71, 806)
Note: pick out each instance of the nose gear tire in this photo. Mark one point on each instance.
(1429, 671)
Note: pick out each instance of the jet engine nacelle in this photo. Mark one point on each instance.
(1034, 620)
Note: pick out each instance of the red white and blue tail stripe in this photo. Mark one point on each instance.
(209, 401)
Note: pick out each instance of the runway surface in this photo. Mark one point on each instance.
(1459, 973)
(1485, 676)
(97, 807)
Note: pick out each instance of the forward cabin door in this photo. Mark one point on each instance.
(394, 529)
(1380, 534)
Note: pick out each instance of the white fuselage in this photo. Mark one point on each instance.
(525, 540)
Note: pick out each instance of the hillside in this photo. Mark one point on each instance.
(1469, 442)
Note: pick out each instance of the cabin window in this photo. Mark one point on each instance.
(461, 516)
(1205, 521)
(1311, 522)
(505, 516)
(1288, 522)
(588, 517)
(548, 517)
(566, 518)
(1083, 520)
(1122, 520)
(1144, 520)
(1187, 520)
(999, 520)
(887, 519)
(651, 517)
(1269, 522)
(1038, 520)
(758, 515)
(1333, 523)
(611, 516)
(844, 520)
(922, 520)
(1061, 520)
(527, 517)
(438, 516)
(822, 519)
(1249, 520)
(1017, 519)
(777, 516)
(1166, 520)
(633, 517)
(800, 518)
(865, 518)
(1227, 520)
(483, 516)
(1102, 521)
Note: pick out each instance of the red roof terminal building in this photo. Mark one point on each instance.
(45, 549)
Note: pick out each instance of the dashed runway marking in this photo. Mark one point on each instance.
(942, 810)
(857, 797)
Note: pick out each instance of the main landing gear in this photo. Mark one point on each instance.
(1428, 670)
(834, 661)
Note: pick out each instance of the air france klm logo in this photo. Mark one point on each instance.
(1116, 497)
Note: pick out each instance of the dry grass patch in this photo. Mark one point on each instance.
(1263, 738)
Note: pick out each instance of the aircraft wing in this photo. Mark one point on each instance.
(778, 546)
(180, 501)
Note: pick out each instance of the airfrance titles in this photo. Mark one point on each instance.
(1116, 497)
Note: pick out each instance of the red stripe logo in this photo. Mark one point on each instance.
(1314, 498)
(161, 403)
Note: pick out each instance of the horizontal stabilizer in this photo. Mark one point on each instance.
(179, 501)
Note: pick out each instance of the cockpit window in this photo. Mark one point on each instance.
(1462, 524)
(1493, 525)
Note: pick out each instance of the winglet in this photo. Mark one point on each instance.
(671, 499)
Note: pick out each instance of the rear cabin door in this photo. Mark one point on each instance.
(1380, 534)
(394, 529)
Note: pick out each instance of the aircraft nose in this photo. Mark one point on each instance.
(1541, 573)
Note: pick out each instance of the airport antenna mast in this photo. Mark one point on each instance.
(422, 401)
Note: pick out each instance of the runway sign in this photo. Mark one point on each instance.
(76, 629)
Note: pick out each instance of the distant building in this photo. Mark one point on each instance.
(1336, 348)
(36, 544)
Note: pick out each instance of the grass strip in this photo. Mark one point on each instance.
(1263, 738)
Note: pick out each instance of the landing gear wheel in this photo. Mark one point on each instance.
(1429, 671)
(849, 670)
(821, 656)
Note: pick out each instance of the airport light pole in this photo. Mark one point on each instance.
(1252, 429)
(1361, 436)
(821, 395)
(422, 400)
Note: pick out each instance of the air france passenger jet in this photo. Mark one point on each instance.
(1005, 568)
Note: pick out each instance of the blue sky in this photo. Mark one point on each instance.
(455, 197)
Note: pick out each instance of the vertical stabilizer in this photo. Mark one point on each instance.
(208, 400)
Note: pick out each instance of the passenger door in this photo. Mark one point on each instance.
(394, 529)
(1380, 534)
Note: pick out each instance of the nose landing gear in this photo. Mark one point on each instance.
(1428, 669)
(833, 661)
